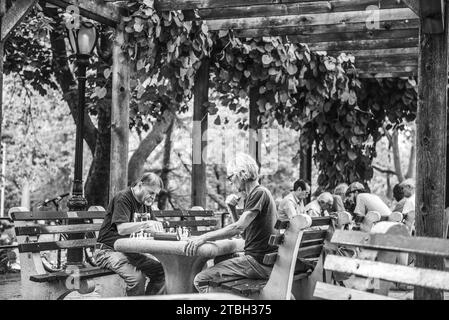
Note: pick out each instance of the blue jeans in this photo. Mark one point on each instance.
(133, 268)
(245, 266)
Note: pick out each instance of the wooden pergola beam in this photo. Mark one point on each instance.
(364, 44)
(319, 30)
(379, 53)
(14, 15)
(413, 5)
(387, 74)
(206, 11)
(432, 15)
(104, 13)
(334, 18)
(353, 36)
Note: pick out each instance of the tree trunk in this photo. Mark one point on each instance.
(148, 144)
(166, 161)
(412, 161)
(397, 156)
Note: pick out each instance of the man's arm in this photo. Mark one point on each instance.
(290, 210)
(229, 231)
(149, 226)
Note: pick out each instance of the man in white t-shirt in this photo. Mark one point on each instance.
(293, 203)
(365, 202)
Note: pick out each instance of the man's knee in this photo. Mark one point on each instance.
(135, 282)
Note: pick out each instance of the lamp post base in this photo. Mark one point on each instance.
(75, 256)
(77, 203)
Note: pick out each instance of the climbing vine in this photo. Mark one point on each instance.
(319, 95)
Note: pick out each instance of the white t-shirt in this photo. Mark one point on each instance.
(290, 206)
(370, 202)
(409, 204)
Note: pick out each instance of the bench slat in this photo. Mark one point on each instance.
(86, 273)
(37, 229)
(281, 224)
(314, 234)
(309, 243)
(418, 245)
(331, 292)
(321, 221)
(183, 213)
(312, 251)
(276, 239)
(55, 245)
(434, 279)
(191, 223)
(57, 215)
(270, 258)
(250, 286)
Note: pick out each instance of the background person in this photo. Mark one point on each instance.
(365, 202)
(321, 206)
(398, 195)
(408, 187)
(256, 224)
(118, 223)
(339, 197)
(293, 203)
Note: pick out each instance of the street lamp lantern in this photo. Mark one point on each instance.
(82, 41)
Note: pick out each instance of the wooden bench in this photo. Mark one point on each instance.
(297, 240)
(198, 221)
(375, 266)
(36, 282)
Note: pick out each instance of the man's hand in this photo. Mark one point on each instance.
(152, 226)
(232, 200)
(192, 246)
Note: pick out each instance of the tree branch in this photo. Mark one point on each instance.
(387, 171)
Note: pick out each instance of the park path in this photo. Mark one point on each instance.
(10, 290)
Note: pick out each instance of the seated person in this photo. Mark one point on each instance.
(293, 203)
(256, 224)
(118, 223)
(339, 198)
(321, 206)
(398, 195)
(365, 202)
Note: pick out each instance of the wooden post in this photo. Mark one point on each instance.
(305, 167)
(199, 135)
(255, 137)
(431, 138)
(2, 13)
(119, 114)
(305, 164)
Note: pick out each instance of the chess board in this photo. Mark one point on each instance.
(169, 234)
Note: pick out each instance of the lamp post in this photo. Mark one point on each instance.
(82, 40)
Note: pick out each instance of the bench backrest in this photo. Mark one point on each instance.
(28, 231)
(383, 244)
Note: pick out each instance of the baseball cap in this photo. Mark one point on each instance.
(355, 186)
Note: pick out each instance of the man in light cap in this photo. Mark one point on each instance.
(365, 202)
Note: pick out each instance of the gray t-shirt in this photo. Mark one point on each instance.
(258, 232)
